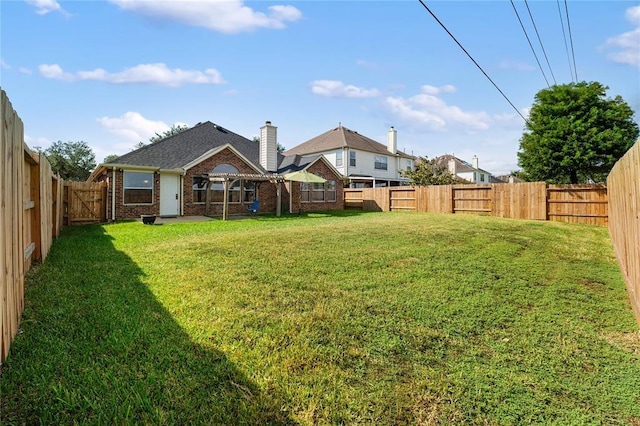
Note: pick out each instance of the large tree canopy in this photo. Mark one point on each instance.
(427, 172)
(71, 160)
(575, 134)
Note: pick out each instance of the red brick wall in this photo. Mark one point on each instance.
(266, 191)
(319, 168)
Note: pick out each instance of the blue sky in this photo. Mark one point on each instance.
(112, 73)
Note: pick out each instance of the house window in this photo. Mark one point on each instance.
(409, 165)
(380, 162)
(481, 177)
(317, 191)
(138, 188)
(339, 159)
(217, 188)
(330, 186)
(235, 191)
(199, 189)
(249, 191)
(305, 192)
(352, 158)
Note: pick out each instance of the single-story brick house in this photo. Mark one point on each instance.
(209, 170)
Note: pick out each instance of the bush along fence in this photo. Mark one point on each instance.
(34, 205)
(531, 200)
(624, 224)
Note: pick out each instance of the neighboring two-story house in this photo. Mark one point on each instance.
(363, 162)
(469, 172)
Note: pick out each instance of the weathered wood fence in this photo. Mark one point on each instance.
(34, 205)
(624, 223)
(30, 217)
(531, 200)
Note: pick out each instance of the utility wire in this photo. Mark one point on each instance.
(564, 35)
(473, 60)
(573, 53)
(540, 40)
(529, 40)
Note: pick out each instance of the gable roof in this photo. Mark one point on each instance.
(461, 165)
(341, 137)
(179, 150)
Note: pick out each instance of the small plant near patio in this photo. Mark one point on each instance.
(341, 318)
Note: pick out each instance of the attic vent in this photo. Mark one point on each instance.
(221, 129)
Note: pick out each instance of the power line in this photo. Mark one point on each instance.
(540, 40)
(564, 35)
(473, 60)
(573, 53)
(529, 40)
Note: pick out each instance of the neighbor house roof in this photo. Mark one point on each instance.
(341, 137)
(183, 148)
(461, 165)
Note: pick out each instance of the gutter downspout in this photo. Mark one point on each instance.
(113, 196)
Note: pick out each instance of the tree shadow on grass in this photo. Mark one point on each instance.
(97, 347)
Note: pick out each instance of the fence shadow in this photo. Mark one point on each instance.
(97, 347)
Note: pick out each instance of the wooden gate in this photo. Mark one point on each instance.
(85, 202)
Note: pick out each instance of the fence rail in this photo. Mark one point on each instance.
(535, 200)
(30, 217)
(624, 223)
(32, 209)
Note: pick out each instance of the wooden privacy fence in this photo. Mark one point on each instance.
(624, 222)
(531, 200)
(30, 217)
(85, 202)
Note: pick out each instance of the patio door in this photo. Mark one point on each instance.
(169, 195)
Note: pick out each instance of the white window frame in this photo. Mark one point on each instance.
(125, 187)
(352, 159)
(339, 159)
(380, 162)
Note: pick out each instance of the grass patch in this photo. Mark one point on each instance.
(327, 319)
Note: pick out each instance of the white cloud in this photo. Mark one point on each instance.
(428, 111)
(627, 45)
(46, 6)
(228, 16)
(55, 72)
(33, 142)
(157, 73)
(132, 126)
(337, 89)
(4, 65)
(433, 90)
(24, 70)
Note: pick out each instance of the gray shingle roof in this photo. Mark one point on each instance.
(340, 137)
(293, 163)
(179, 150)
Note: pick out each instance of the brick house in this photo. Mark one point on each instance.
(209, 170)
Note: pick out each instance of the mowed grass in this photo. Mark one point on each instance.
(346, 318)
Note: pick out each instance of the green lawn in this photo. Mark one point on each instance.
(347, 318)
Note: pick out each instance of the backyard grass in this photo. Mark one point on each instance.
(345, 318)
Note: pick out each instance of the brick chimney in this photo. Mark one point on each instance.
(269, 147)
(392, 140)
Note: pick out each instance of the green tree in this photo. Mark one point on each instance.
(174, 130)
(73, 161)
(575, 134)
(109, 158)
(428, 172)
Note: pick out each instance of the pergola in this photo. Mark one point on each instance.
(228, 179)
